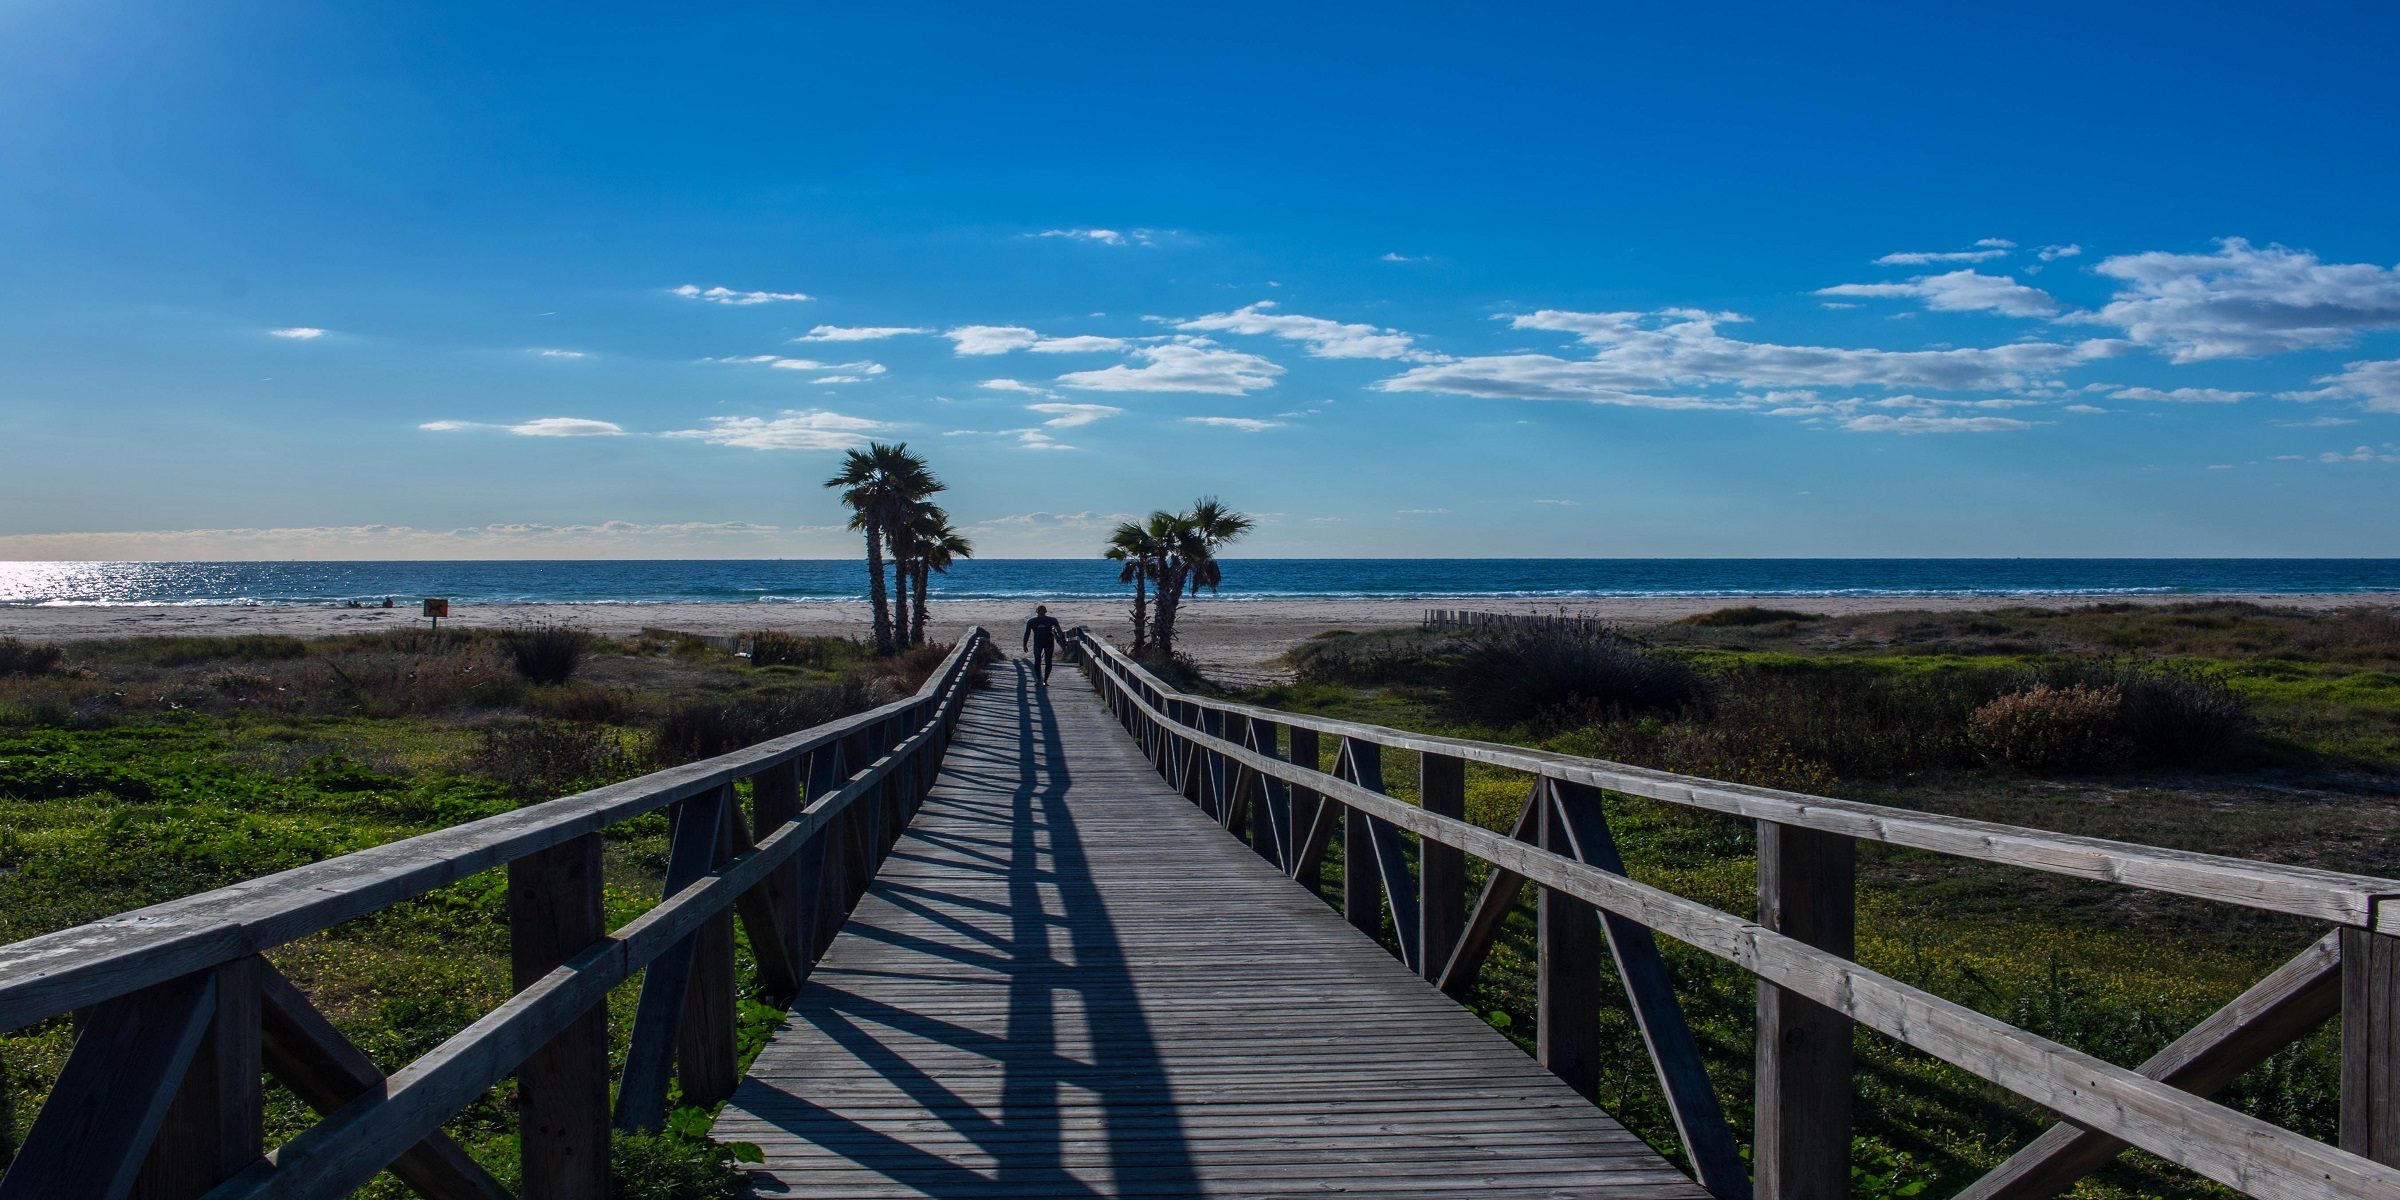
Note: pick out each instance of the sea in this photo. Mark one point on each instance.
(783, 581)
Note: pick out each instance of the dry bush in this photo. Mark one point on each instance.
(707, 728)
(548, 655)
(1559, 674)
(2078, 727)
(769, 648)
(19, 657)
(542, 759)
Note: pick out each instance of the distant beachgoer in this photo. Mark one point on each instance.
(1042, 632)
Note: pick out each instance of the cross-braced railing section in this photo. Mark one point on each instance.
(181, 1016)
(1257, 771)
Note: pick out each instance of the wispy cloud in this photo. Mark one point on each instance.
(980, 340)
(2182, 395)
(857, 333)
(500, 540)
(299, 333)
(726, 295)
(1181, 367)
(781, 363)
(1067, 416)
(2374, 385)
(1245, 424)
(1561, 503)
(1419, 512)
(1105, 237)
(549, 353)
(1017, 386)
(2363, 454)
(2245, 300)
(1394, 256)
(1960, 291)
(554, 427)
(793, 429)
(1986, 249)
(1324, 338)
(2054, 253)
(1913, 423)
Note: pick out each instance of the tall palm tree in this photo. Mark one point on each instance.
(1189, 558)
(879, 484)
(939, 547)
(1133, 545)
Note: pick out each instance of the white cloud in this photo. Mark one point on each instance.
(1986, 249)
(1181, 367)
(1419, 512)
(1913, 423)
(2182, 395)
(1017, 386)
(1105, 237)
(2083, 408)
(781, 363)
(839, 379)
(1562, 503)
(558, 353)
(1067, 416)
(795, 429)
(2317, 423)
(1960, 291)
(2361, 454)
(2054, 253)
(857, 333)
(1674, 358)
(1324, 338)
(298, 333)
(1035, 439)
(556, 427)
(2375, 385)
(2246, 300)
(726, 295)
(1394, 256)
(1245, 424)
(977, 340)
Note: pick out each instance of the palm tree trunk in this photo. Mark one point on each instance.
(924, 581)
(1141, 610)
(900, 571)
(1170, 598)
(875, 592)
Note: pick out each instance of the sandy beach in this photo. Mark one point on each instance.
(1233, 638)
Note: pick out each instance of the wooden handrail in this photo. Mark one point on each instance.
(2336, 897)
(179, 965)
(1810, 1155)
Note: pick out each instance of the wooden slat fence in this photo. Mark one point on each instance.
(1256, 770)
(181, 1016)
(1466, 620)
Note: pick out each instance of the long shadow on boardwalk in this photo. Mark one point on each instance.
(1050, 891)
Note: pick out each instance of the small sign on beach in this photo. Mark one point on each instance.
(435, 610)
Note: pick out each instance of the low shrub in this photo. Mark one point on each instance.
(1554, 675)
(2076, 727)
(707, 728)
(542, 759)
(548, 655)
(186, 651)
(769, 648)
(2173, 714)
(19, 657)
(671, 1165)
(1744, 615)
(1380, 659)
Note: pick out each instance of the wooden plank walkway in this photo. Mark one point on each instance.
(1067, 981)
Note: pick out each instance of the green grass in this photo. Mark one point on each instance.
(139, 771)
(2112, 971)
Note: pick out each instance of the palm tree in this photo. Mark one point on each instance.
(938, 548)
(1136, 547)
(879, 484)
(1189, 557)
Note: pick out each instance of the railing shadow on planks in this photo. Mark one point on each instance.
(180, 1015)
(1254, 770)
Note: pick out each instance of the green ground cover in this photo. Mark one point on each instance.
(2312, 777)
(135, 772)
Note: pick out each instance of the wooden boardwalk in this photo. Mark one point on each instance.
(1066, 981)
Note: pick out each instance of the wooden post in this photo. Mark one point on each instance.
(554, 913)
(216, 1122)
(2371, 1045)
(1441, 870)
(1567, 971)
(704, 1045)
(1362, 875)
(1806, 891)
(1307, 862)
(775, 800)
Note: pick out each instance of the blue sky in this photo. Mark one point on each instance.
(425, 280)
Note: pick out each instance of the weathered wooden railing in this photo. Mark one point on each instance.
(1255, 770)
(180, 1015)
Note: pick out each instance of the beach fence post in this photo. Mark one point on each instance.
(1807, 891)
(2370, 1122)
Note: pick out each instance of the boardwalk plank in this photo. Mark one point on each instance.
(1069, 981)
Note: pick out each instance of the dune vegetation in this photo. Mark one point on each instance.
(2219, 727)
(137, 771)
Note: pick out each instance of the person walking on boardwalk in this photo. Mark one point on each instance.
(1042, 633)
